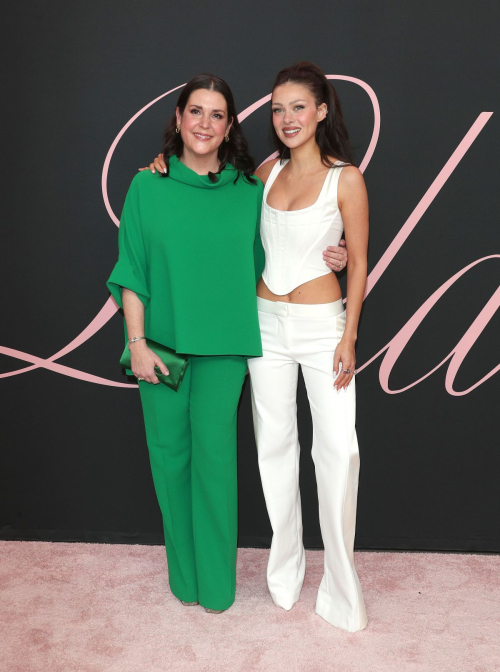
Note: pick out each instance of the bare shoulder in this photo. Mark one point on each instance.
(351, 186)
(351, 176)
(351, 180)
(264, 170)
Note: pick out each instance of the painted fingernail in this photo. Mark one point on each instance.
(153, 171)
(164, 170)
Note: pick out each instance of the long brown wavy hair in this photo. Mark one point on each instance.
(331, 134)
(234, 152)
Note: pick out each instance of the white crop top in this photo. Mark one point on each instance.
(294, 240)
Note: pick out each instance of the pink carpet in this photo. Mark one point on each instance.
(96, 608)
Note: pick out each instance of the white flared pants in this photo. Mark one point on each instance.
(307, 335)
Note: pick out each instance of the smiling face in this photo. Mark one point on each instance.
(295, 114)
(204, 122)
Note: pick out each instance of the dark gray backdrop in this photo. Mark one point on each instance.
(74, 462)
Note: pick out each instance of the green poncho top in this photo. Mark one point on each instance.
(191, 251)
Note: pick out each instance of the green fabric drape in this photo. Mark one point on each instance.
(191, 251)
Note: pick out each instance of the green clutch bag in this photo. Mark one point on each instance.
(175, 363)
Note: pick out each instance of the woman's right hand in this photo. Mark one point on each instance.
(143, 362)
(157, 165)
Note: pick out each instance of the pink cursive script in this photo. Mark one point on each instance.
(393, 349)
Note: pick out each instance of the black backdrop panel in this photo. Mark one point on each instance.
(74, 463)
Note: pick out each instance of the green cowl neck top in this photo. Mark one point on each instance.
(191, 251)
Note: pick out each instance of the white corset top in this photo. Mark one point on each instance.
(294, 240)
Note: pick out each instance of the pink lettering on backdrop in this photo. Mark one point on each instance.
(426, 200)
(106, 312)
(394, 347)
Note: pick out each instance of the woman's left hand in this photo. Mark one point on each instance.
(345, 355)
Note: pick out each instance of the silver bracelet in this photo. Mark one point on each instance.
(137, 338)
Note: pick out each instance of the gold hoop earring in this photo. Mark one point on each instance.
(178, 128)
(226, 137)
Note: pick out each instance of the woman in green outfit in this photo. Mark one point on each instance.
(186, 277)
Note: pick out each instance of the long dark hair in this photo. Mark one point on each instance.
(235, 151)
(331, 134)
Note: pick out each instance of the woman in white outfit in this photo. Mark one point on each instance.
(311, 196)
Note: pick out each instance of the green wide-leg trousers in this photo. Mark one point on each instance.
(191, 436)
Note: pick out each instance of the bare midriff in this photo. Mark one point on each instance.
(324, 289)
